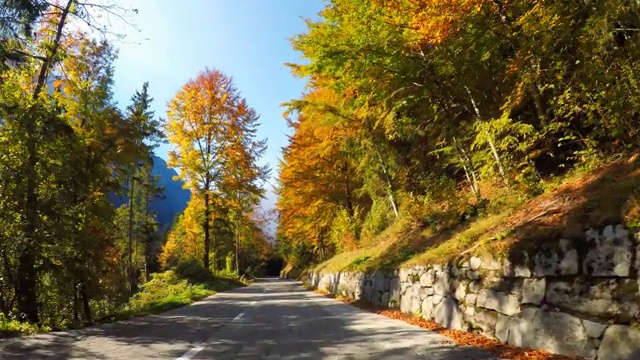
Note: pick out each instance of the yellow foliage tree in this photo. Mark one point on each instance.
(213, 130)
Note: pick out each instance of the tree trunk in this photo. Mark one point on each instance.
(467, 166)
(46, 65)
(466, 174)
(347, 191)
(85, 303)
(321, 248)
(214, 254)
(473, 175)
(237, 246)
(132, 282)
(7, 306)
(147, 245)
(394, 206)
(537, 101)
(492, 146)
(26, 291)
(496, 156)
(26, 294)
(390, 187)
(205, 259)
(76, 316)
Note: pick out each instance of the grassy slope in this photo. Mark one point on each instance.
(165, 291)
(607, 195)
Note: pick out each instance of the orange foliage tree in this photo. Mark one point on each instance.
(213, 130)
(442, 95)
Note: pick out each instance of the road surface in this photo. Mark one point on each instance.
(271, 319)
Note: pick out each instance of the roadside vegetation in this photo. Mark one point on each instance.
(433, 129)
(69, 256)
(171, 289)
(566, 209)
(166, 290)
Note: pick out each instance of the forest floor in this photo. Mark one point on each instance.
(568, 207)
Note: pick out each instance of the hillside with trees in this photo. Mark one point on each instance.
(432, 127)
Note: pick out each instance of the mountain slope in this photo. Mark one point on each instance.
(175, 198)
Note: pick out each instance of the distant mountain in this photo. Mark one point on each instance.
(175, 197)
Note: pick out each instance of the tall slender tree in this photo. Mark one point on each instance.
(147, 133)
(213, 130)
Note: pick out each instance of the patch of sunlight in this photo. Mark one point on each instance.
(352, 260)
(512, 218)
(478, 234)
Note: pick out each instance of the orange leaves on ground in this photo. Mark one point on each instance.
(459, 337)
(468, 339)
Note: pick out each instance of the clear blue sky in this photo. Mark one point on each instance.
(245, 39)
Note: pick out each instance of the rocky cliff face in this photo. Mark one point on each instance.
(577, 297)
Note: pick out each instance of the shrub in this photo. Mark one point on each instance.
(434, 209)
(189, 282)
(345, 230)
(12, 327)
(228, 262)
(378, 219)
(165, 291)
(194, 272)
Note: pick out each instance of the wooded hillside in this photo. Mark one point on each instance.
(430, 113)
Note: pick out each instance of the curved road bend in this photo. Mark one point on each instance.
(270, 319)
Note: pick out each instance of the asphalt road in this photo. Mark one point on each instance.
(271, 319)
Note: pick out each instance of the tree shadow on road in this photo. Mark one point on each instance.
(287, 322)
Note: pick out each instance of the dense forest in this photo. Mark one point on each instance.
(426, 113)
(68, 255)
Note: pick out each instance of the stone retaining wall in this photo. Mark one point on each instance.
(577, 297)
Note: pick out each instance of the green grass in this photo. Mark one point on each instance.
(475, 235)
(402, 245)
(10, 328)
(170, 290)
(363, 259)
(352, 260)
(511, 223)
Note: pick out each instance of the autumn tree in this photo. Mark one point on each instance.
(64, 145)
(444, 95)
(213, 130)
(318, 181)
(242, 178)
(27, 278)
